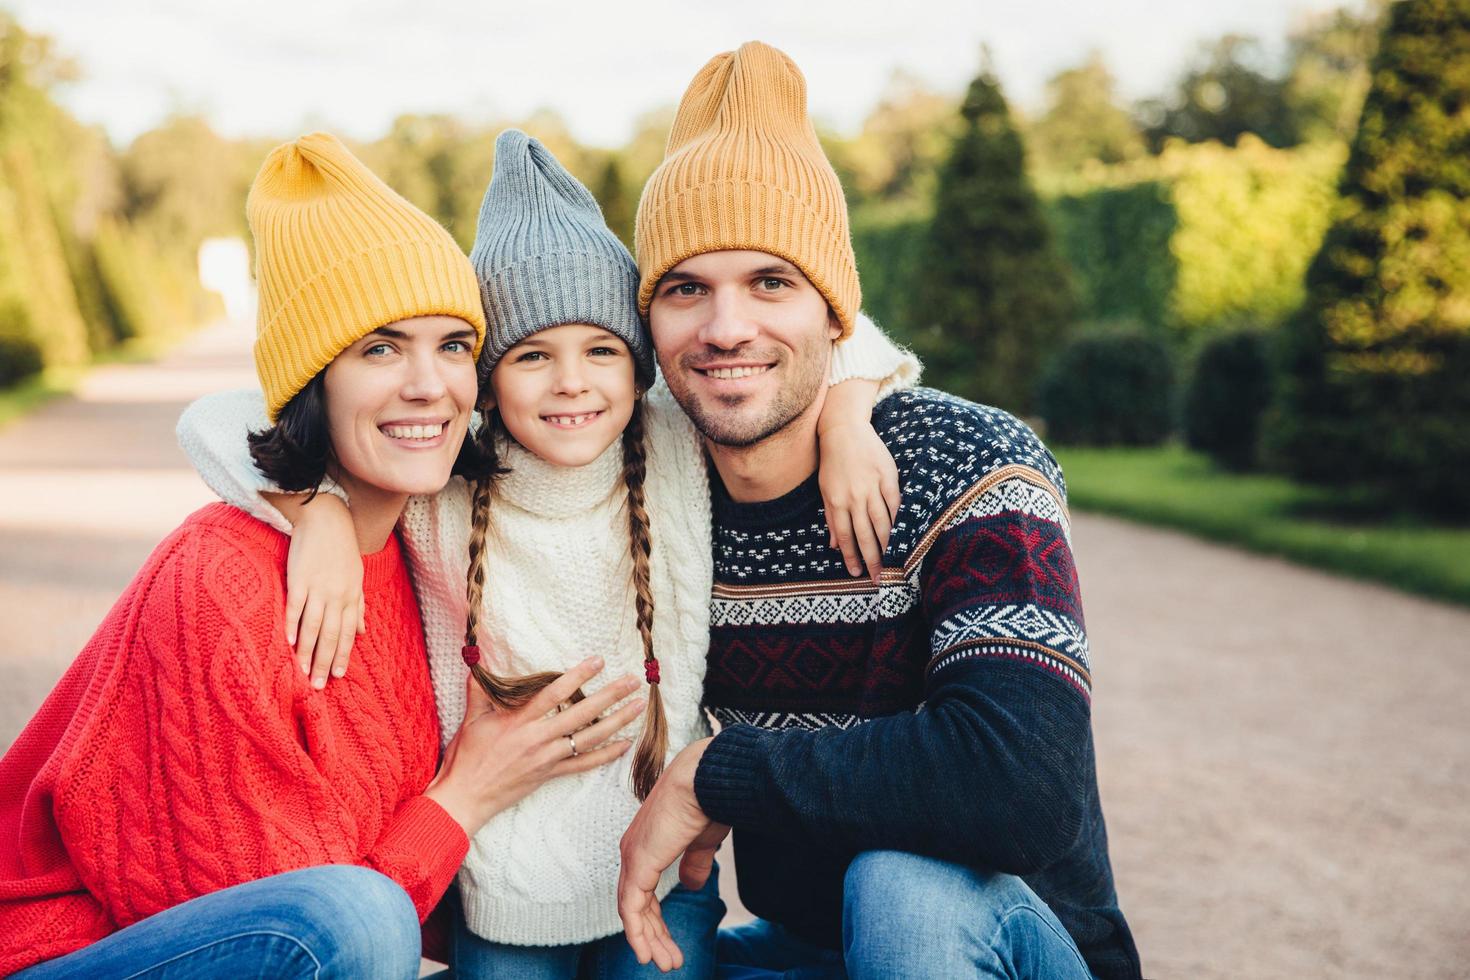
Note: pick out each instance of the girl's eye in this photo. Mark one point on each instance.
(531, 355)
(604, 351)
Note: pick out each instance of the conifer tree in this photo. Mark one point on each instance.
(1377, 373)
(996, 296)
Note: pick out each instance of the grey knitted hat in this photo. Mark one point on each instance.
(544, 256)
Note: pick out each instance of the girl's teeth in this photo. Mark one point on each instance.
(735, 372)
(570, 419)
(413, 431)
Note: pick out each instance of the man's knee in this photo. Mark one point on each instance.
(908, 915)
(357, 923)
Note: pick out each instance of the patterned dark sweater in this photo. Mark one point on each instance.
(945, 713)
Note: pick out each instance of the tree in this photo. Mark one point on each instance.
(1327, 74)
(1225, 93)
(1375, 387)
(1082, 122)
(894, 159)
(997, 296)
(613, 195)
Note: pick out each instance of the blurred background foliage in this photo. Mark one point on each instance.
(1292, 229)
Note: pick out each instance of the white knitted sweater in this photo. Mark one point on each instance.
(558, 588)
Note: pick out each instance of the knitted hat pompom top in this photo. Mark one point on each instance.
(545, 257)
(339, 254)
(744, 170)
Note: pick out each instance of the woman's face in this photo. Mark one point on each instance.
(399, 403)
(565, 393)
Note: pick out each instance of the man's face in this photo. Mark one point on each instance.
(744, 341)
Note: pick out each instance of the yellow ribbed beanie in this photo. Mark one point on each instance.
(339, 254)
(743, 170)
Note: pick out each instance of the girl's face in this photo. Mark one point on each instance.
(565, 393)
(399, 403)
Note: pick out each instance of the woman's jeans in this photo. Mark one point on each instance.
(904, 916)
(331, 921)
(693, 917)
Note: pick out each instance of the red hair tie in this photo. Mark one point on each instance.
(471, 654)
(650, 670)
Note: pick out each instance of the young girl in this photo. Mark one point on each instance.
(184, 802)
(595, 538)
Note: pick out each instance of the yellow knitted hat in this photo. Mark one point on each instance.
(743, 170)
(339, 254)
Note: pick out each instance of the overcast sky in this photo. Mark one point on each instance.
(276, 67)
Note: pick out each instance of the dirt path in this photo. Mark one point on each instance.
(1284, 755)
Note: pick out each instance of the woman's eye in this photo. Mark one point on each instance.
(377, 350)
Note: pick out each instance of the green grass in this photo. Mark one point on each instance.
(1328, 529)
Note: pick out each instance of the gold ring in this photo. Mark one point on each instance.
(573, 742)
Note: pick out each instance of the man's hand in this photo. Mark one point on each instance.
(667, 825)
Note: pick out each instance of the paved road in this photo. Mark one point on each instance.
(1284, 755)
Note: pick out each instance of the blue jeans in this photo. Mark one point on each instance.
(693, 917)
(904, 915)
(331, 921)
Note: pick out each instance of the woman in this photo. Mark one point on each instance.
(185, 801)
(595, 537)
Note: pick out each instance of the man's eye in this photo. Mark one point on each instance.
(685, 289)
(770, 285)
(458, 347)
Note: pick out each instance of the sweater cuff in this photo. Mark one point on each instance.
(422, 849)
(730, 783)
(869, 354)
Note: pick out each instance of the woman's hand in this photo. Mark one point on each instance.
(324, 603)
(498, 757)
(857, 476)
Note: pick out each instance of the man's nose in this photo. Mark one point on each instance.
(730, 322)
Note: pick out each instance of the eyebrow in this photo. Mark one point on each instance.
(393, 334)
(776, 269)
(536, 340)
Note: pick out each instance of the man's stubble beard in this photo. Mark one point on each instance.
(720, 420)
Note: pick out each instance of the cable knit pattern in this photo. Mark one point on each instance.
(185, 752)
(558, 589)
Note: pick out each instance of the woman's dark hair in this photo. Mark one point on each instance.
(296, 453)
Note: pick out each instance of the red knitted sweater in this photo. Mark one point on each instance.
(184, 751)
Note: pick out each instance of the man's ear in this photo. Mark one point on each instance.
(834, 325)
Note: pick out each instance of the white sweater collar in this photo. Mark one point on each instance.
(549, 490)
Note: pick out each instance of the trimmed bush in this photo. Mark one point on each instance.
(1374, 388)
(1228, 393)
(1114, 388)
(19, 356)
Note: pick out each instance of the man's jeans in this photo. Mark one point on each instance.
(904, 915)
(331, 921)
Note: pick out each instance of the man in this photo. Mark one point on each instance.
(908, 766)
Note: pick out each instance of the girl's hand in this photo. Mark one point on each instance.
(498, 757)
(858, 478)
(324, 603)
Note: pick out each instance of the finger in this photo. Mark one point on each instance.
(361, 615)
(882, 529)
(564, 686)
(666, 954)
(841, 525)
(295, 605)
(594, 735)
(868, 546)
(344, 643)
(311, 624)
(583, 761)
(892, 496)
(326, 647)
(476, 699)
(630, 909)
(695, 867)
(587, 711)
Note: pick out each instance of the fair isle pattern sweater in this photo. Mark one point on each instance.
(945, 712)
(557, 589)
(184, 751)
